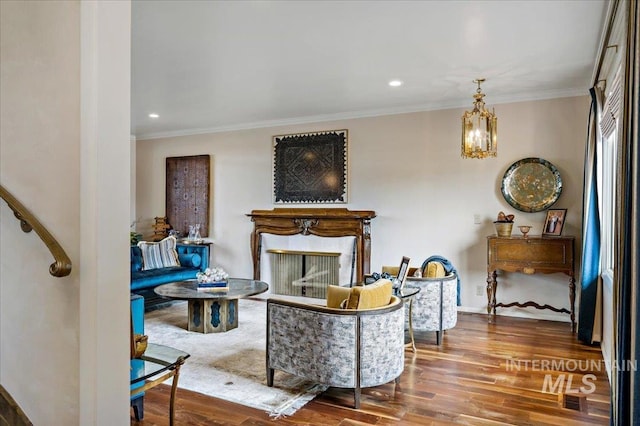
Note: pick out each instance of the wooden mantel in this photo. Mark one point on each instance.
(323, 222)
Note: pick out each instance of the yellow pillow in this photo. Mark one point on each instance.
(370, 296)
(336, 295)
(434, 270)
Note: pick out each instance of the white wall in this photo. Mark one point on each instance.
(408, 169)
(64, 130)
(105, 182)
(39, 164)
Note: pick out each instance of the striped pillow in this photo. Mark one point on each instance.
(159, 255)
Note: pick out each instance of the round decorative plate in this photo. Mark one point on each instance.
(531, 185)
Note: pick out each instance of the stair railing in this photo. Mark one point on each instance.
(61, 267)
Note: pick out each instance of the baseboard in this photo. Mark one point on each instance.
(10, 412)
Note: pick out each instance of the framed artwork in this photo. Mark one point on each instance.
(554, 222)
(187, 193)
(310, 167)
(403, 270)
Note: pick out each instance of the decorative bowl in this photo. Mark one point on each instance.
(524, 229)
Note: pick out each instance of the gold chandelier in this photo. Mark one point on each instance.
(479, 129)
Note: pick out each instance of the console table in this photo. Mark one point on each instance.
(530, 255)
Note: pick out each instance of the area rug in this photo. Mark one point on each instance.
(230, 365)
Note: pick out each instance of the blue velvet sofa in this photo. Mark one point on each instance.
(193, 259)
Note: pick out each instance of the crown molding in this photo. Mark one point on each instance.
(494, 100)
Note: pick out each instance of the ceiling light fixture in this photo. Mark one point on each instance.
(153, 115)
(395, 83)
(479, 129)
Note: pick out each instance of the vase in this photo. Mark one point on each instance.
(503, 229)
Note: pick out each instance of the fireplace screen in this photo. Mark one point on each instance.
(304, 273)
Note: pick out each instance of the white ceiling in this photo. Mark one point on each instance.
(207, 66)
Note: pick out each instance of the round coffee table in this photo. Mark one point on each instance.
(212, 311)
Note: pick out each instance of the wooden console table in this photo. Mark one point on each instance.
(530, 255)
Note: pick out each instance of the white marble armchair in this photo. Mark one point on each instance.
(345, 348)
(435, 307)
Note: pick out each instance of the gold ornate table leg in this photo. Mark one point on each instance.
(413, 342)
(572, 300)
(492, 285)
(174, 387)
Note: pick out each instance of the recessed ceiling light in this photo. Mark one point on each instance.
(153, 115)
(395, 83)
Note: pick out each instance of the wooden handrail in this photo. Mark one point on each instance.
(28, 222)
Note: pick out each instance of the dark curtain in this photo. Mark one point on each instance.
(626, 383)
(590, 277)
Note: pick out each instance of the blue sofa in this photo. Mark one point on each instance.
(193, 259)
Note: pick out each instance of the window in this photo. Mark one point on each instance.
(607, 166)
(607, 191)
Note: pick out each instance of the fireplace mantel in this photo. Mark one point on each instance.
(323, 222)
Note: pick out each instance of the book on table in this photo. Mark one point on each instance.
(213, 289)
(213, 286)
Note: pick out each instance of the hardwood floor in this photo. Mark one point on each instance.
(472, 378)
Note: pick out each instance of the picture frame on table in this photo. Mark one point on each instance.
(554, 222)
(403, 271)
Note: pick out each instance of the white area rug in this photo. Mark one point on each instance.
(230, 365)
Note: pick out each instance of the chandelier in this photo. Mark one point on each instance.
(479, 129)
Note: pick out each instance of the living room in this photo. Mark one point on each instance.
(403, 166)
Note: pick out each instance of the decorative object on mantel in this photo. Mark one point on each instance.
(554, 222)
(531, 184)
(310, 167)
(504, 224)
(479, 129)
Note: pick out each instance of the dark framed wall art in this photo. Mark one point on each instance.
(310, 167)
(187, 193)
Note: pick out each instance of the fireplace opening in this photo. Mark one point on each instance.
(304, 273)
(304, 265)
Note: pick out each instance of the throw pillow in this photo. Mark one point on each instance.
(370, 296)
(434, 270)
(190, 260)
(336, 295)
(159, 255)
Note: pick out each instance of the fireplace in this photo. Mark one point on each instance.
(320, 222)
(303, 273)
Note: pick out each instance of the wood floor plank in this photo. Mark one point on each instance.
(483, 373)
